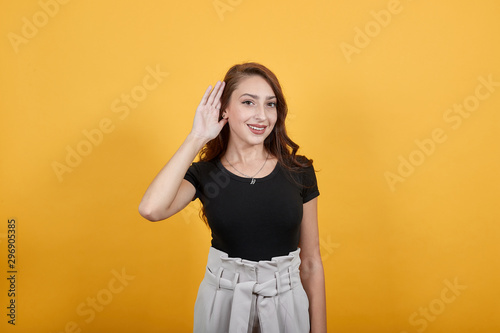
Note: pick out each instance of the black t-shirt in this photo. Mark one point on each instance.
(253, 221)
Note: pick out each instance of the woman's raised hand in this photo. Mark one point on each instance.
(206, 124)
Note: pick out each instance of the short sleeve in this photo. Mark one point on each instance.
(193, 176)
(310, 185)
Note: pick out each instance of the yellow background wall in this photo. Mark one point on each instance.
(397, 102)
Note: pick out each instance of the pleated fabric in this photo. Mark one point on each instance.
(244, 296)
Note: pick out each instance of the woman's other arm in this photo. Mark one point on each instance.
(311, 268)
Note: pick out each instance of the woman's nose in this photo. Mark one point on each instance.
(261, 113)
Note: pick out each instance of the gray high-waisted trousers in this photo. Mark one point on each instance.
(243, 296)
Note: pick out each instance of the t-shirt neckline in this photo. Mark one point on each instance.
(245, 179)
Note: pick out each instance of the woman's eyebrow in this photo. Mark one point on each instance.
(257, 97)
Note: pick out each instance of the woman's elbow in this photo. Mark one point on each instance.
(149, 213)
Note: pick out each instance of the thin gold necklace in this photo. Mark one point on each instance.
(253, 179)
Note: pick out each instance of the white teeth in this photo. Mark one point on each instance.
(256, 128)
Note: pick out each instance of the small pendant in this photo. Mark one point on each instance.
(253, 181)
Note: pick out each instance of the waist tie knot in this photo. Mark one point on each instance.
(265, 279)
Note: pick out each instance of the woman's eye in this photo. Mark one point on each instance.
(271, 104)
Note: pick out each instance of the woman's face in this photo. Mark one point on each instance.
(252, 111)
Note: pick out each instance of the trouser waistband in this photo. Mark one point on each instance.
(247, 270)
(265, 278)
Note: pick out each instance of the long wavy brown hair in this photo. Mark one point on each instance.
(277, 143)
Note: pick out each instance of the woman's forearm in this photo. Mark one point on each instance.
(313, 280)
(163, 189)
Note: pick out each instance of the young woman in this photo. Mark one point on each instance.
(264, 271)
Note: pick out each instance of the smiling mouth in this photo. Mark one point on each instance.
(257, 128)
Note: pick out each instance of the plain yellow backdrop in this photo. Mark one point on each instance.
(397, 103)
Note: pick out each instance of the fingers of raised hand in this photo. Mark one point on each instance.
(219, 92)
(216, 93)
(205, 95)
